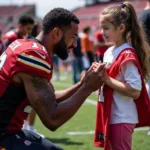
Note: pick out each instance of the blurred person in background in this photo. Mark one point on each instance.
(100, 45)
(36, 30)
(66, 64)
(86, 45)
(29, 123)
(55, 61)
(145, 22)
(25, 26)
(1, 43)
(11, 28)
(77, 62)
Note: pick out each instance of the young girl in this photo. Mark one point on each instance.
(123, 102)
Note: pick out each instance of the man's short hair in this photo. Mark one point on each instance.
(58, 17)
(25, 20)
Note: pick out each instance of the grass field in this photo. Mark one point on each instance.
(83, 121)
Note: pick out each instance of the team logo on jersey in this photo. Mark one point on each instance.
(41, 55)
(14, 45)
(27, 142)
(44, 49)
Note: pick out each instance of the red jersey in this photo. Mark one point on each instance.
(104, 108)
(11, 36)
(27, 56)
(100, 51)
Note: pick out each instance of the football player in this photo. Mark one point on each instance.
(25, 26)
(25, 73)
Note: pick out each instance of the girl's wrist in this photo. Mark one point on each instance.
(107, 80)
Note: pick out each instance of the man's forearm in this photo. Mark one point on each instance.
(65, 94)
(66, 109)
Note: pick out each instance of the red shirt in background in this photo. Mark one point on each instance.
(10, 37)
(99, 36)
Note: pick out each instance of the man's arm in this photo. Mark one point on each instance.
(62, 95)
(65, 94)
(42, 98)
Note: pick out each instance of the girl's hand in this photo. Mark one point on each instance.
(83, 73)
(93, 77)
(105, 77)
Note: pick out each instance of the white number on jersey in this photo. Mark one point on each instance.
(34, 45)
(14, 45)
(2, 59)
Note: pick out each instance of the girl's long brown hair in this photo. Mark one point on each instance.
(126, 14)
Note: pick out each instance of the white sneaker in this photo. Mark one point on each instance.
(148, 133)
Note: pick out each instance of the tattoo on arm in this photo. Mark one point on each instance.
(45, 93)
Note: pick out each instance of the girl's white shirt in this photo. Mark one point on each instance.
(123, 107)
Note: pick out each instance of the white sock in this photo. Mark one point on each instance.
(26, 125)
(31, 128)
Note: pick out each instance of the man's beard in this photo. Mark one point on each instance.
(60, 49)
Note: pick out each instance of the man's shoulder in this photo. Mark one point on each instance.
(24, 45)
(30, 57)
(29, 50)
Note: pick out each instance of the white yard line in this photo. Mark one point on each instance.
(92, 132)
(142, 129)
(80, 133)
(90, 101)
(62, 84)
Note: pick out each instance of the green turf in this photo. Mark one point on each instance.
(84, 120)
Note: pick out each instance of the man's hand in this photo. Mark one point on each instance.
(93, 77)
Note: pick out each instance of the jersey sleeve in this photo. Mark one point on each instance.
(36, 63)
(131, 74)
